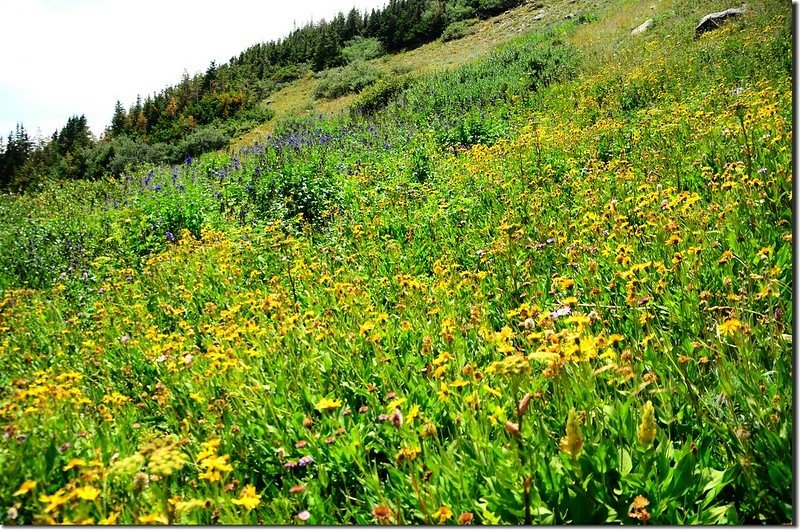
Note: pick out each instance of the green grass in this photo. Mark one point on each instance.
(552, 285)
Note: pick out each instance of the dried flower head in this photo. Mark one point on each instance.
(381, 513)
(396, 418)
(639, 509)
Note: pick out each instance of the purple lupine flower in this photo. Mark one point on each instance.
(305, 461)
(189, 160)
(170, 237)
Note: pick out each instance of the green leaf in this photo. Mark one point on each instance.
(625, 462)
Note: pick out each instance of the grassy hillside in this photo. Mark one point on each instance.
(552, 284)
(297, 99)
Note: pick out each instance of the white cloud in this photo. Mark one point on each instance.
(66, 57)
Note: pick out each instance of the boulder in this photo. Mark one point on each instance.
(540, 16)
(713, 21)
(641, 29)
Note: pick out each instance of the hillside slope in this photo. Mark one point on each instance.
(552, 285)
(297, 99)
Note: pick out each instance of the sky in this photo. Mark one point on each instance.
(73, 57)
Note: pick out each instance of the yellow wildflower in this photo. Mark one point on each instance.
(726, 257)
(53, 501)
(153, 518)
(407, 454)
(729, 327)
(75, 462)
(191, 504)
(27, 486)
(327, 404)
(443, 513)
(444, 392)
(248, 498)
(366, 327)
(87, 493)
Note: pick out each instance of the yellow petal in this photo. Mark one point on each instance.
(27, 486)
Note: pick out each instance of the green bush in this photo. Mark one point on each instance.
(204, 139)
(459, 29)
(455, 12)
(299, 189)
(474, 129)
(378, 95)
(338, 82)
(130, 153)
(362, 49)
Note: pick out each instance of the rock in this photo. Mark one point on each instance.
(570, 16)
(641, 29)
(713, 21)
(540, 16)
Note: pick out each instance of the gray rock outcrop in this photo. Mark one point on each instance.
(713, 21)
(641, 29)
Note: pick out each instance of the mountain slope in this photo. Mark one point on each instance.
(553, 285)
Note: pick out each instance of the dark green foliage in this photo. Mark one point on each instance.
(16, 152)
(421, 166)
(296, 190)
(475, 128)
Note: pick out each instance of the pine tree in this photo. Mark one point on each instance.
(118, 120)
(18, 150)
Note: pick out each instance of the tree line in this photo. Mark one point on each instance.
(203, 112)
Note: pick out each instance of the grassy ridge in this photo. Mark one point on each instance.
(540, 288)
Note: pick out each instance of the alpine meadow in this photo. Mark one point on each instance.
(450, 262)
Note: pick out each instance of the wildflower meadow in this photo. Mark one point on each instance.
(552, 285)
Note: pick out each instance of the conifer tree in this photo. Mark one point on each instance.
(118, 120)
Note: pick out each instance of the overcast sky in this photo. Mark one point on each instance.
(65, 57)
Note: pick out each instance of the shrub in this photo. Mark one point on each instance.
(378, 96)
(456, 12)
(338, 82)
(459, 29)
(362, 49)
(130, 153)
(474, 129)
(299, 189)
(204, 139)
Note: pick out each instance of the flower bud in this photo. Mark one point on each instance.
(647, 429)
